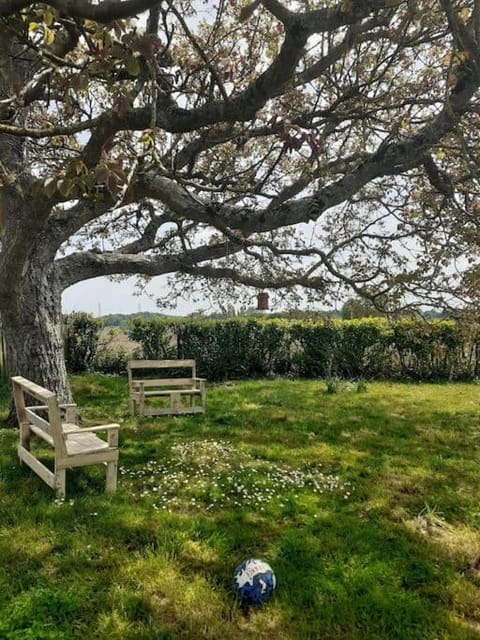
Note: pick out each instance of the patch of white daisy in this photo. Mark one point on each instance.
(213, 474)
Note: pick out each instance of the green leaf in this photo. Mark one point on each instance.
(131, 65)
(49, 36)
(48, 17)
(65, 187)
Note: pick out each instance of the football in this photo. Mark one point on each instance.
(254, 581)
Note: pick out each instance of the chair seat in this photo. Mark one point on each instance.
(82, 442)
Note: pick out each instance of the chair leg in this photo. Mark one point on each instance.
(111, 484)
(25, 435)
(60, 483)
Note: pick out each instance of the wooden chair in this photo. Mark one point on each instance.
(73, 446)
(182, 393)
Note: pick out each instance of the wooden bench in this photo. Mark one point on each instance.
(56, 424)
(182, 394)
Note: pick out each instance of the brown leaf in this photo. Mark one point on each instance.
(101, 175)
(113, 185)
(121, 104)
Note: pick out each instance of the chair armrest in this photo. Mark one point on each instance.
(199, 379)
(37, 407)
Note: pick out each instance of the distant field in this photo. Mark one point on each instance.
(115, 338)
(367, 506)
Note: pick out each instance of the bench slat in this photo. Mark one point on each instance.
(167, 411)
(160, 364)
(152, 394)
(158, 382)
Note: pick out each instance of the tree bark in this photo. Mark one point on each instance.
(32, 326)
(30, 295)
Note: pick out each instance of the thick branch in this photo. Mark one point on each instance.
(344, 13)
(105, 11)
(83, 266)
(64, 223)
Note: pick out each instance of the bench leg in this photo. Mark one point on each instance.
(111, 484)
(175, 402)
(60, 483)
(131, 405)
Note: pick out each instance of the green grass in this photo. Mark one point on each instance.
(367, 506)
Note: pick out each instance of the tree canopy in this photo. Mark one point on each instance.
(329, 147)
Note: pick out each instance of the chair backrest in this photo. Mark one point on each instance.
(135, 365)
(53, 424)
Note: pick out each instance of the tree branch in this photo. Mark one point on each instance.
(390, 158)
(85, 265)
(105, 11)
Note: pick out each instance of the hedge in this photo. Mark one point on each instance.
(80, 339)
(366, 348)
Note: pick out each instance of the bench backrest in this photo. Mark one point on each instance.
(49, 402)
(139, 365)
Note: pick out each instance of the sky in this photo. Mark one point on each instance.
(100, 297)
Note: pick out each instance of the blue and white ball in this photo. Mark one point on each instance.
(254, 581)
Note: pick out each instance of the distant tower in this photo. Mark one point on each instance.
(262, 301)
(99, 310)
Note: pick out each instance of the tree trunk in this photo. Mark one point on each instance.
(32, 325)
(30, 295)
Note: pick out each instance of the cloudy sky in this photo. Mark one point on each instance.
(100, 297)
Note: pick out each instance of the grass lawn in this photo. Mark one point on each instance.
(367, 506)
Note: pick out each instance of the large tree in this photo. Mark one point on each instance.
(321, 146)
